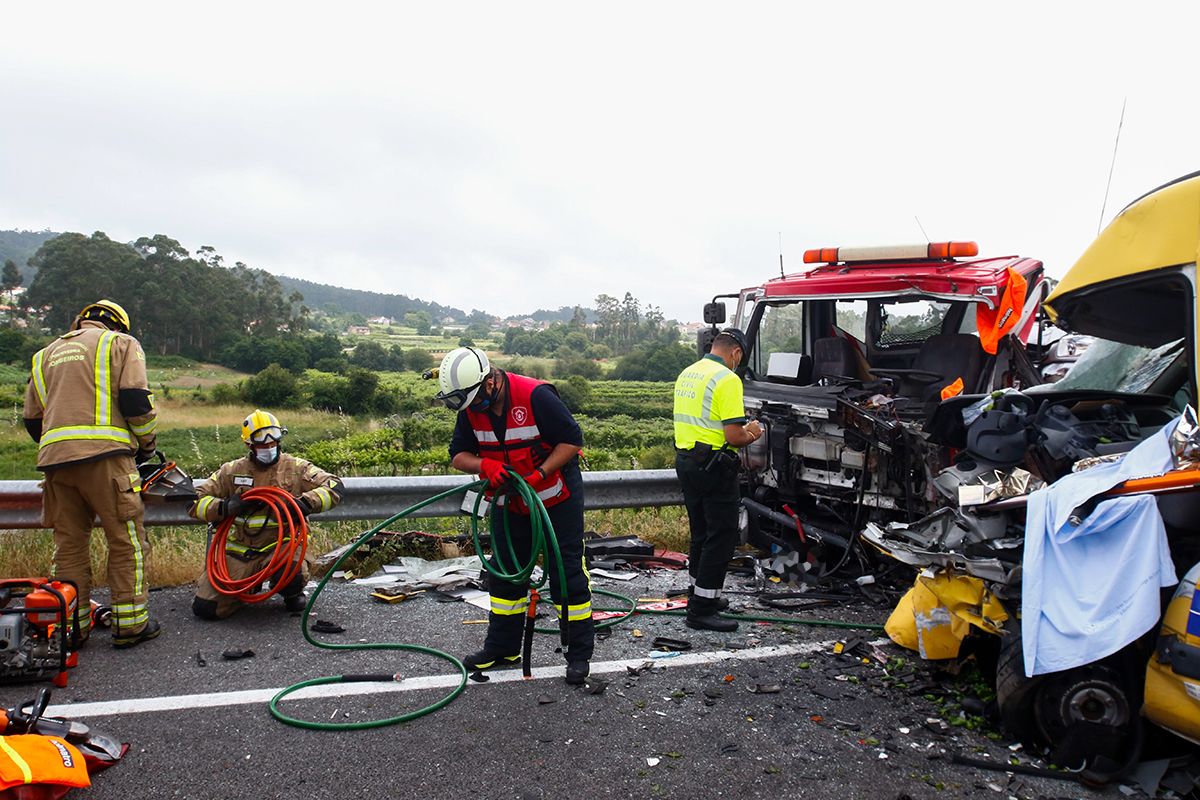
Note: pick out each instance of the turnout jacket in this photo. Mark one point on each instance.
(88, 398)
(315, 488)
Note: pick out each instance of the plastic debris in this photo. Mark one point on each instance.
(233, 655)
(765, 688)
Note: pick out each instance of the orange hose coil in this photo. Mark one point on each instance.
(291, 543)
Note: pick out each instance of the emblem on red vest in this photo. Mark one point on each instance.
(520, 414)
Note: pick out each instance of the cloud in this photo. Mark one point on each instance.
(511, 158)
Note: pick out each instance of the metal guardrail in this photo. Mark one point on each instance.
(380, 498)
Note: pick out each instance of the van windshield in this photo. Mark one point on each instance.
(1116, 367)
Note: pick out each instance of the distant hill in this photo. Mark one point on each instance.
(563, 314)
(321, 296)
(20, 247)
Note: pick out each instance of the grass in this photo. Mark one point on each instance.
(200, 436)
(177, 552)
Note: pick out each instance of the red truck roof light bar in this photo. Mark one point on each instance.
(833, 255)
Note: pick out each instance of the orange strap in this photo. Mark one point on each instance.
(952, 389)
(994, 323)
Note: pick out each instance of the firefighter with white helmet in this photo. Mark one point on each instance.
(89, 408)
(255, 533)
(508, 422)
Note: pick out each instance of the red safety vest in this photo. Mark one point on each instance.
(522, 448)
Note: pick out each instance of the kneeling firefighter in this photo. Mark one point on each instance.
(508, 422)
(254, 535)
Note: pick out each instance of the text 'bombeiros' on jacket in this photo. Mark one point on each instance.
(88, 397)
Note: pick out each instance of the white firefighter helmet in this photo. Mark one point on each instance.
(462, 372)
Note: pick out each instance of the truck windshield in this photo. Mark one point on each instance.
(781, 330)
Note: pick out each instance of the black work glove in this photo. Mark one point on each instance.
(142, 456)
(238, 506)
(305, 510)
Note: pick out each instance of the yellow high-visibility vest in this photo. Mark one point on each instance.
(708, 396)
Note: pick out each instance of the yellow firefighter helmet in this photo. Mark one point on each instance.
(108, 312)
(261, 427)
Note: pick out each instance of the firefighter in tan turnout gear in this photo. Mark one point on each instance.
(255, 535)
(89, 408)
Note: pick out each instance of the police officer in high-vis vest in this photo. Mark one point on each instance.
(89, 408)
(255, 534)
(508, 421)
(710, 423)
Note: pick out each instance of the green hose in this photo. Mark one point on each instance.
(542, 533)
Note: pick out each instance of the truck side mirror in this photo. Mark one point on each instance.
(705, 336)
(714, 313)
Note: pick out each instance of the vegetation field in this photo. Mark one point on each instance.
(626, 425)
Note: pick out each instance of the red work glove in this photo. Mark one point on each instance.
(536, 475)
(496, 472)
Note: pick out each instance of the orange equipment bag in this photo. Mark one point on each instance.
(35, 767)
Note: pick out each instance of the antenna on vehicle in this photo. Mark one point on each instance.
(781, 255)
(1111, 166)
(922, 227)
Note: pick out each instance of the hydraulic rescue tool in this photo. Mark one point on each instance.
(39, 620)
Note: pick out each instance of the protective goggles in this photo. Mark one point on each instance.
(459, 398)
(266, 435)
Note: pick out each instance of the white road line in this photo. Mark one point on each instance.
(142, 705)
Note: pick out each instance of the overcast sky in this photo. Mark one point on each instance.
(513, 156)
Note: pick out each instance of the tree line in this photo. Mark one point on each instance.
(181, 304)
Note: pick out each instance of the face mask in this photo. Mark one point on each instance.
(487, 400)
(264, 455)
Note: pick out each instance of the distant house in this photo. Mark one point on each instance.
(359, 330)
(380, 320)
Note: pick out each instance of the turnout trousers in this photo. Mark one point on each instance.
(510, 602)
(711, 498)
(73, 496)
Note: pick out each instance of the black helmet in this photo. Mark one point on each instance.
(738, 337)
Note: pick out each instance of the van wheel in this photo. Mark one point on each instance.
(1087, 718)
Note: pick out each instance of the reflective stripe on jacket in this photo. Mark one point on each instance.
(74, 388)
(708, 395)
(522, 448)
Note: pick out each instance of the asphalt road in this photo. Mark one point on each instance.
(689, 726)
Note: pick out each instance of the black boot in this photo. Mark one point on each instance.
(485, 660)
(295, 602)
(150, 631)
(702, 615)
(577, 672)
(722, 602)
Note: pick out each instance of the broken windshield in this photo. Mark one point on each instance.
(1113, 366)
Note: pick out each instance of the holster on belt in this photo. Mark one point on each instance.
(701, 453)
